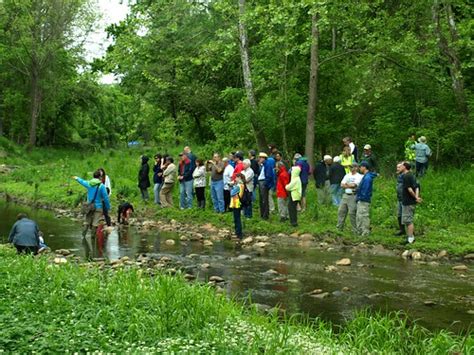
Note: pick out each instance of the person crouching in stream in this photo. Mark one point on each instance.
(25, 235)
(236, 193)
(97, 195)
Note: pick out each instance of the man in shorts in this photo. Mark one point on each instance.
(410, 197)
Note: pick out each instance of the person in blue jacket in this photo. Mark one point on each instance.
(97, 194)
(266, 182)
(25, 235)
(363, 199)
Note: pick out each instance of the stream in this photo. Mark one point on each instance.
(284, 275)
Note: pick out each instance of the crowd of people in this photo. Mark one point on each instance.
(345, 180)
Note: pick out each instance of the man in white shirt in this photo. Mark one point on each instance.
(348, 204)
(227, 177)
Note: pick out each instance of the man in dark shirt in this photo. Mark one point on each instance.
(409, 200)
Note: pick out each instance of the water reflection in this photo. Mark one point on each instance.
(392, 284)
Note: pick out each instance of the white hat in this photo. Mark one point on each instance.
(297, 156)
(422, 139)
(327, 157)
(368, 147)
(337, 159)
(263, 155)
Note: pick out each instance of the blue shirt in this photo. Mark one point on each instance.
(101, 195)
(364, 191)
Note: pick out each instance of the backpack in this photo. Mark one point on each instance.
(247, 197)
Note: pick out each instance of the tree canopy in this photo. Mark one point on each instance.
(235, 73)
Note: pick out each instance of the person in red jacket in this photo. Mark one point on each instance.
(283, 179)
(239, 165)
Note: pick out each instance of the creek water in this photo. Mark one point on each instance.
(284, 274)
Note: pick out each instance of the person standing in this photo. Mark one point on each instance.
(227, 178)
(349, 184)
(249, 183)
(369, 157)
(347, 141)
(256, 169)
(401, 226)
(294, 189)
(336, 174)
(422, 153)
(302, 162)
(410, 198)
(238, 166)
(185, 179)
(363, 199)
(191, 157)
(283, 179)
(157, 178)
(108, 186)
(266, 182)
(96, 195)
(270, 161)
(321, 178)
(217, 182)
(409, 153)
(236, 193)
(169, 177)
(144, 178)
(347, 158)
(199, 178)
(25, 235)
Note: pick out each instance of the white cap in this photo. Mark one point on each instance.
(337, 159)
(368, 147)
(327, 157)
(297, 156)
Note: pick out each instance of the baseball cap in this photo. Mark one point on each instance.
(367, 146)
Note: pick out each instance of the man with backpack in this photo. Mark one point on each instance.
(97, 200)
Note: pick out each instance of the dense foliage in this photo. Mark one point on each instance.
(383, 69)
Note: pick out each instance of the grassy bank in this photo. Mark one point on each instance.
(444, 220)
(46, 308)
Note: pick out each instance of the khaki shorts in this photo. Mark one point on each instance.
(94, 218)
(408, 213)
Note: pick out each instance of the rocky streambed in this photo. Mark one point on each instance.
(299, 273)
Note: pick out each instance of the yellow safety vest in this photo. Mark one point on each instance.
(346, 162)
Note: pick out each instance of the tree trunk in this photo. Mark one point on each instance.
(334, 36)
(245, 58)
(313, 91)
(448, 50)
(35, 106)
(283, 112)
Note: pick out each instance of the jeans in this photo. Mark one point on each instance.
(264, 204)
(237, 222)
(336, 194)
(156, 193)
(248, 211)
(421, 168)
(292, 211)
(186, 194)
(144, 193)
(217, 195)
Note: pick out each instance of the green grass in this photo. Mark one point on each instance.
(445, 220)
(46, 308)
